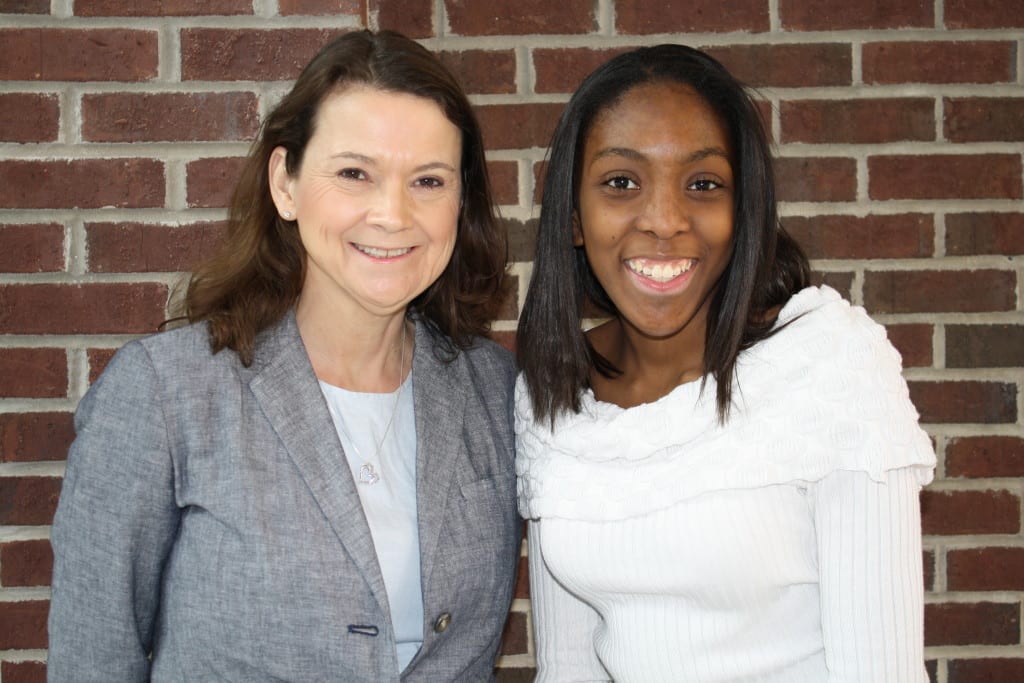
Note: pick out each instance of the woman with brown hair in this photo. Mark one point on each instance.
(313, 480)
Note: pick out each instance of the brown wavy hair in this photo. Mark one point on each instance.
(257, 274)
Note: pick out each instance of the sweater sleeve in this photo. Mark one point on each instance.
(869, 555)
(564, 626)
(115, 524)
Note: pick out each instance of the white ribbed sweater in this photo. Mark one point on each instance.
(782, 547)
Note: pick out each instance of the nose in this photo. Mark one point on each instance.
(390, 207)
(664, 214)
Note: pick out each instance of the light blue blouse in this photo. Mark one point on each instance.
(385, 475)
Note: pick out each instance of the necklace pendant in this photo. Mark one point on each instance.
(367, 475)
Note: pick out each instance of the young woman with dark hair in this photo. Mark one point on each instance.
(721, 478)
(314, 480)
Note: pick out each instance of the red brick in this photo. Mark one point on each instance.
(816, 179)
(985, 456)
(837, 15)
(914, 342)
(666, 16)
(874, 236)
(939, 291)
(840, 281)
(414, 18)
(981, 623)
(26, 563)
(81, 184)
(33, 373)
(522, 237)
(987, 670)
(142, 248)
(939, 62)
(160, 8)
(319, 7)
(23, 625)
(967, 402)
(44, 54)
(210, 182)
(518, 126)
(142, 117)
(24, 7)
(514, 638)
(483, 71)
(560, 70)
(982, 14)
(98, 359)
(30, 248)
(213, 54)
(857, 121)
(984, 346)
(984, 233)
(969, 512)
(30, 437)
(504, 176)
(519, 17)
(788, 66)
(945, 176)
(928, 563)
(29, 501)
(506, 339)
(985, 569)
(23, 672)
(523, 579)
(985, 119)
(518, 674)
(101, 308)
(29, 117)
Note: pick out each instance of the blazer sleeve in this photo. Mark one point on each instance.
(114, 527)
(872, 592)
(563, 624)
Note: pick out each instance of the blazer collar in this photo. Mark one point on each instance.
(286, 387)
(439, 396)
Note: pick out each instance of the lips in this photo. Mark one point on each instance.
(660, 270)
(376, 252)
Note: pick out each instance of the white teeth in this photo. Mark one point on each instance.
(660, 271)
(382, 253)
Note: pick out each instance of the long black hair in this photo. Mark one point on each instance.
(766, 267)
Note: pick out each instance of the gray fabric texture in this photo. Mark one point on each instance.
(209, 529)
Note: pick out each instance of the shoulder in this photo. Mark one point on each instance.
(178, 356)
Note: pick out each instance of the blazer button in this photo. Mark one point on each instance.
(442, 623)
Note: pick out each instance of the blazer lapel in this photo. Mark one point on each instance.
(287, 391)
(439, 402)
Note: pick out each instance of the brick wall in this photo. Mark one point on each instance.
(901, 138)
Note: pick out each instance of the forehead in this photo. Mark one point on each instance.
(655, 113)
(366, 113)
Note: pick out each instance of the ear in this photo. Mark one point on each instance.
(577, 231)
(281, 183)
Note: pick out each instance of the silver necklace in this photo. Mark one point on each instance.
(367, 474)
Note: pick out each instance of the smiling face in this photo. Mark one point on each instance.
(656, 207)
(376, 201)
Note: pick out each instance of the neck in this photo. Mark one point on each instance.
(367, 353)
(651, 366)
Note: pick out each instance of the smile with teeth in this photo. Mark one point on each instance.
(382, 253)
(660, 271)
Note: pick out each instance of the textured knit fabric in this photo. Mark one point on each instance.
(782, 546)
(209, 529)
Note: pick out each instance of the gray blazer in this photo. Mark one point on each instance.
(209, 529)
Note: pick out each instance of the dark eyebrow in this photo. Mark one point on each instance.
(369, 161)
(635, 155)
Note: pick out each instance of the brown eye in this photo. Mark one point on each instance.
(704, 185)
(621, 183)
